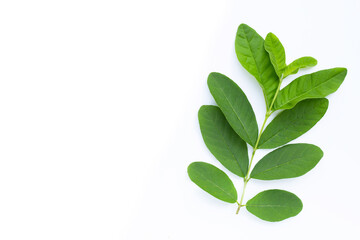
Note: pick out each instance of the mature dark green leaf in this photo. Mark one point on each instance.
(276, 52)
(235, 106)
(293, 123)
(274, 205)
(250, 51)
(303, 62)
(290, 161)
(212, 180)
(314, 85)
(222, 141)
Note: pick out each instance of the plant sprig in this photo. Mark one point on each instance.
(230, 126)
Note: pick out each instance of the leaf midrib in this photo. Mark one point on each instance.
(284, 163)
(214, 184)
(253, 56)
(275, 135)
(275, 57)
(228, 146)
(298, 96)
(233, 110)
(267, 205)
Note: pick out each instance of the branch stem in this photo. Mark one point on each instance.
(267, 115)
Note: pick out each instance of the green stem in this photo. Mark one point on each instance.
(267, 115)
(242, 196)
(275, 96)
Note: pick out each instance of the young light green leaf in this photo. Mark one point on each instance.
(222, 141)
(314, 85)
(250, 51)
(274, 205)
(212, 180)
(235, 106)
(292, 123)
(290, 161)
(303, 62)
(276, 52)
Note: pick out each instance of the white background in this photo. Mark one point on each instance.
(98, 118)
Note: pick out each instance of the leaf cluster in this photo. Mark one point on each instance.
(230, 129)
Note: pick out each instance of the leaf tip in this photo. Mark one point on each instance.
(344, 70)
(213, 75)
(270, 35)
(315, 62)
(189, 168)
(243, 25)
(326, 103)
(341, 70)
(202, 108)
(244, 28)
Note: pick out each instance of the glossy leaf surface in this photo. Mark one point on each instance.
(222, 141)
(274, 205)
(314, 85)
(276, 52)
(235, 106)
(212, 180)
(250, 51)
(292, 123)
(299, 63)
(290, 161)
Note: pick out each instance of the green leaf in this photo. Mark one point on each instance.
(222, 141)
(212, 180)
(235, 106)
(314, 85)
(303, 62)
(292, 123)
(276, 52)
(274, 205)
(250, 51)
(290, 161)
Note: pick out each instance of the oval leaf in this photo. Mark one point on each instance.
(212, 180)
(235, 106)
(290, 161)
(292, 123)
(250, 51)
(222, 141)
(314, 85)
(276, 52)
(303, 62)
(274, 205)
